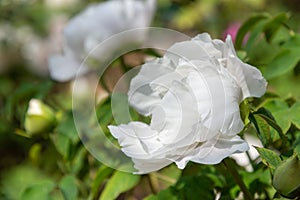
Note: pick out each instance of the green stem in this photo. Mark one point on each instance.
(154, 186)
(232, 169)
(150, 184)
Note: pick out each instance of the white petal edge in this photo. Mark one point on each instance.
(215, 150)
(249, 78)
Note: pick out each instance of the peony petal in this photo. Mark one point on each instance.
(217, 100)
(199, 48)
(210, 45)
(248, 77)
(224, 147)
(150, 165)
(140, 94)
(233, 123)
(137, 139)
(64, 68)
(140, 143)
(214, 151)
(196, 79)
(187, 50)
(175, 117)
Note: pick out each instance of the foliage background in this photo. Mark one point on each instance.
(57, 166)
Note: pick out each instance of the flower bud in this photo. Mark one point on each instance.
(39, 118)
(286, 178)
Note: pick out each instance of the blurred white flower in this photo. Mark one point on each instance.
(192, 95)
(95, 24)
(23, 43)
(36, 49)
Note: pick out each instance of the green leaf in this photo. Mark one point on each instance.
(104, 114)
(244, 111)
(263, 120)
(17, 101)
(274, 24)
(163, 195)
(194, 187)
(263, 129)
(288, 89)
(295, 114)
(241, 54)
(264, 112)
(78, 161)
(278, 107)
(293, 42)
(284, 115)
(199, 186)
(120, 182)
(297, 150)
(284, 61)
(15, 180)
(62, 144)
(246, 27)
(273, 124)
(39, 191)
(284, 120)
(275, 104)
(102, 173)
(269, 158)
(68, 187)
(67, 127)
(260, 174)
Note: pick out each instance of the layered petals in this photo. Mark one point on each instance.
(192, 95)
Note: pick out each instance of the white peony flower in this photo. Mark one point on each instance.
(192, 95)
(94, 25)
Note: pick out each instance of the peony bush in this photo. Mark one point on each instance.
(173, 117)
